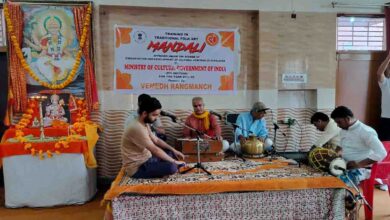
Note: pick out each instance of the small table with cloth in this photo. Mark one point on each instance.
(66, 178)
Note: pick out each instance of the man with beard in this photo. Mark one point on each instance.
(143, 154)
(156, 126)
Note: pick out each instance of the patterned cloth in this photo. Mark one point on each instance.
(255, 189)
(298, 204)
(229, 176)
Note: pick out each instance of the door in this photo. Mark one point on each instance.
(357, 86)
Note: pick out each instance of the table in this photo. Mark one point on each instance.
(61, 180)
(258, 189)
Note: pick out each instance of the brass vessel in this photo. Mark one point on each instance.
(253, 147)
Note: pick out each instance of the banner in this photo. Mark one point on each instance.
(164, 60)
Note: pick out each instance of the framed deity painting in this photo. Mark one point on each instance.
(55, 109)
(50, 46)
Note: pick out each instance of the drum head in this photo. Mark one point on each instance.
(320, 158)
(337, 166)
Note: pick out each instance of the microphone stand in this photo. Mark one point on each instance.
(198, 163)
(273, 151)
(360, 195)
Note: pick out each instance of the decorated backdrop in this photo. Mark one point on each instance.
(165, 60)
(50, 51)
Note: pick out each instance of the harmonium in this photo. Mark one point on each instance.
(210, 150)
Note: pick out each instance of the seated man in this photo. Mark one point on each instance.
(143, 154)
(330, 137)
(156, 126)
(204, 122)
(360, 144)
(252, 123)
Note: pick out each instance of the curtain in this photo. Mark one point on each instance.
(16, 71)
(91, 96)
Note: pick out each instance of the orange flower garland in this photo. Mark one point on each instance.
(26, 120)
(25, 65)
(81, 117)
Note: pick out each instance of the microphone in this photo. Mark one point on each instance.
(167, 114)
(216, 114)
(276, 127)
(339, 168)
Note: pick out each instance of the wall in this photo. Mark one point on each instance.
(271, 44)
(246, 21)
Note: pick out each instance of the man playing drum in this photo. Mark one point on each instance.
(360, 144)
(330, 132)
(143, 154)
(204, 122)
(252, 123)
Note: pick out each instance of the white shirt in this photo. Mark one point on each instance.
(360, 142)
(385, 103)
(331, 134)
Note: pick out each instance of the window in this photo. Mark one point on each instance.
(360, 33)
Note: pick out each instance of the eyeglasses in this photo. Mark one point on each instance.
(200, 105)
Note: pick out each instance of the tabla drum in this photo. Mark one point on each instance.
(337, 167)
(327, 160)
(253, 148)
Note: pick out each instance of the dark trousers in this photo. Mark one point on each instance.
(156, 168)
(384, 129)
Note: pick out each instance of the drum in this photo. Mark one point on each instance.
(327, 160)
(253, 148)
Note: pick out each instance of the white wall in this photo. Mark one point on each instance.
(361, 6)
(321, 98)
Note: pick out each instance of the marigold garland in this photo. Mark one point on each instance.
(75, 130)
(25, 65)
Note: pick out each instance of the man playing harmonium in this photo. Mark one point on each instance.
(330, 132)
(143, 154)
(204, 122)
(360, 144)
(252, 123)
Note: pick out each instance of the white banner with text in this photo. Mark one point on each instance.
(164, 60)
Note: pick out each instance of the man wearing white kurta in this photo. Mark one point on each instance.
(360, 144)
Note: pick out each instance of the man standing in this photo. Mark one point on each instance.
(143, 154)
(252, 123)
(360, 144)
(204, 122)
(330, 137)
(383, 75)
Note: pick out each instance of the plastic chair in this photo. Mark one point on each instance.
(378, 170)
